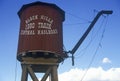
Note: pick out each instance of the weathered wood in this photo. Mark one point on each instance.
(24, 72)
(46, 74)
(54, 74)
(31, 72)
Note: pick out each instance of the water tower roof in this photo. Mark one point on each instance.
(40, 3)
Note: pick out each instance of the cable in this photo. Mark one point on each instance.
(99, 45)
(91, 40)
(90, 63)
(79, 17)
(15, 70)
(77, 23)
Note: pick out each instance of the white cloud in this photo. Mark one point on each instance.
(106, 60)
(93, 74)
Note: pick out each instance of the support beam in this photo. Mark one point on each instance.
(24, 72)
(88, 30)
(31, 72)
(54, 74)
(31, 66)
(46, 74)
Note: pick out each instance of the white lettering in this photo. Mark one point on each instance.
(41, 32)
(44, 25)
(27, 32)
(46, 18)
(31, 18)
(30, 26)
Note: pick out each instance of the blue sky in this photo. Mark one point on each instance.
(77, 13)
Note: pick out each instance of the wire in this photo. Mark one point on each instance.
(79, 17)
(90, 63)
(76, 23)
(16, 70)
(91, 40)
(99, 45)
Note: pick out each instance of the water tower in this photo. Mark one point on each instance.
(40, 45)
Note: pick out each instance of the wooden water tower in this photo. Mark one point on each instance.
(40, 45)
